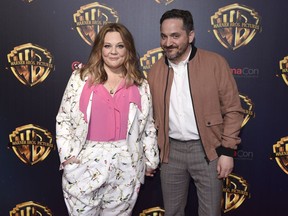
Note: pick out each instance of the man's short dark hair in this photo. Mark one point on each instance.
(184, 15)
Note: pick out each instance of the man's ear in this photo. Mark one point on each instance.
(191, 36)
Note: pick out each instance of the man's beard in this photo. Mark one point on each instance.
(177, 55)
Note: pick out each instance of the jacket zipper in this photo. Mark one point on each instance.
(165, 92)
(206, 158)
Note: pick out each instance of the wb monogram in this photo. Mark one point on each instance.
(30, 63)
(248, 106)
(235, 191)
(31, 143)
(90, 18)
(284, 69)
(30, 208)
(150, 58)
(235, 25)
(280, 153)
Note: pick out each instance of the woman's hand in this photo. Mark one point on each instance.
(150, 172)
(71, 161)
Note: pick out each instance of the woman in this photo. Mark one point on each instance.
(105, 132)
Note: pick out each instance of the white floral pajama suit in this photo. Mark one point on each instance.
(108, 177)
(104, 183)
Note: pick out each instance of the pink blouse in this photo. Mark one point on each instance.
(109, 114)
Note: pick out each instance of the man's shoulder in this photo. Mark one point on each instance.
(159, 65)
(203, 53)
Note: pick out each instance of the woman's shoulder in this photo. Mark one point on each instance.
(144, 87)
(144, 83)
(76, 80)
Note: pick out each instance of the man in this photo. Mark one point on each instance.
(198, 115)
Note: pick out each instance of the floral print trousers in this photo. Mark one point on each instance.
(103, 183)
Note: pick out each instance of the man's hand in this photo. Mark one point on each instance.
(225, 166)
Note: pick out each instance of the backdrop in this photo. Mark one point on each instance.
(43, 41)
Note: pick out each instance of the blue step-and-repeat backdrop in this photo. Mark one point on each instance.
(43, 41)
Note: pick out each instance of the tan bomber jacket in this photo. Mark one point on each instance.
(215, 99)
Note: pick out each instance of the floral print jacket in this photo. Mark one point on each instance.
(72, 129)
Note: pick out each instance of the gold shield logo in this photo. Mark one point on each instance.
(235, 191)
(30, 209)
(284, 69)
(30, 63)
(149, 59)
(280, 153)
(156, 211)
(31, 143)
(90, 18)
(166, 2)
(235, 25)
(248, 107)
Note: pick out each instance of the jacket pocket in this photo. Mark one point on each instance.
(214, 123)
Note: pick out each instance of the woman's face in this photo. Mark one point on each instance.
(113, 50)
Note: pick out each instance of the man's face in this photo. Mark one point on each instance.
(174, 40)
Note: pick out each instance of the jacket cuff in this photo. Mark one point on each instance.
(221, 150)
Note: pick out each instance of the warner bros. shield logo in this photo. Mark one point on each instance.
(235, 25)
(248, 107)
(235, 191)
(150, 58)
(155, 211)
(90, 18)
(284, 69)
(30, 208)
(31, 143)
(30, 63)
(280, 153)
